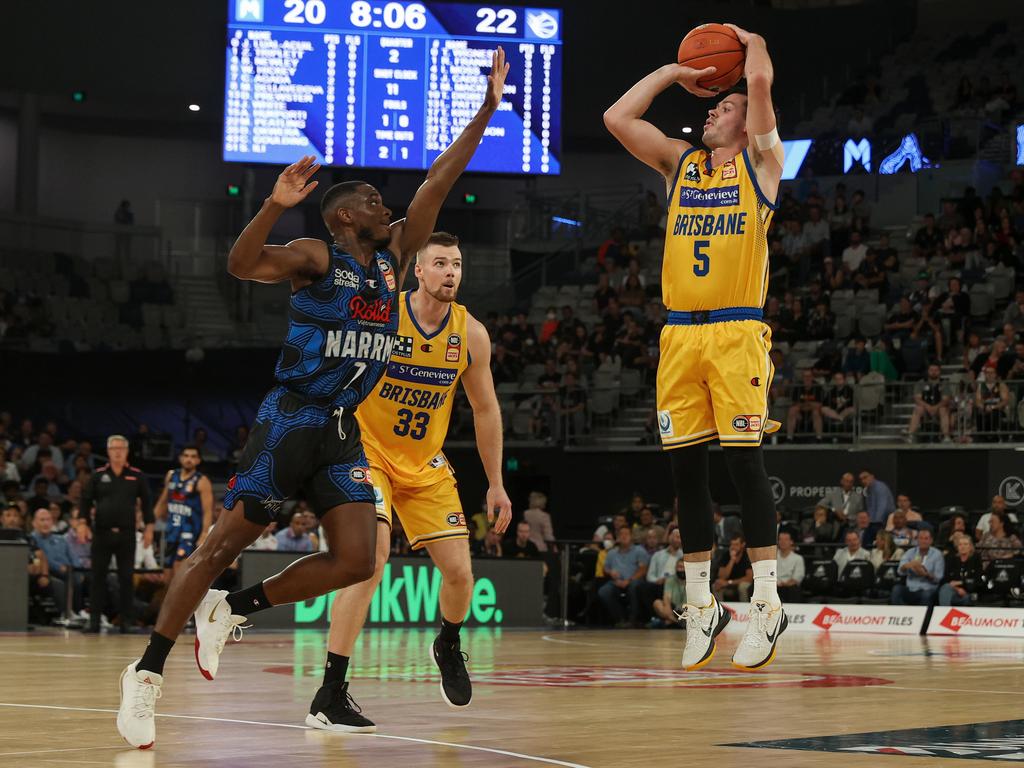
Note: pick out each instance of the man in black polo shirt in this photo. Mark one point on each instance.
(109, 501)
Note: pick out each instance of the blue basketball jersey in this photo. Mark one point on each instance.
(184, 507)
(341, 329)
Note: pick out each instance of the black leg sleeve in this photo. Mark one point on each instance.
(691, 476)
(757, 507)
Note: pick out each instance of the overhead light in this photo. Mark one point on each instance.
(687, 129)
(193, 107)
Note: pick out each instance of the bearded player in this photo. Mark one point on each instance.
(404, 422)
(714, 374)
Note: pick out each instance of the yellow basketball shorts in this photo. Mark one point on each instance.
(713, 382)
(428, 513)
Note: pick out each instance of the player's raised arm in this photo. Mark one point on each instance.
(479, 386)
(411, 233)
(301, 260)
(644, 141)
(765, 146)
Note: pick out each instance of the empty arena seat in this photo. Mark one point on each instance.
(888, 575)
(1004, 577)
(857, 577)
(821, 577)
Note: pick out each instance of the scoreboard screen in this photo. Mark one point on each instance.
(372, 84)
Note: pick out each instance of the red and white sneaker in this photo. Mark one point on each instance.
(135, 715)
(214, 625)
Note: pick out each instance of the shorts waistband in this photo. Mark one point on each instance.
(704, 317)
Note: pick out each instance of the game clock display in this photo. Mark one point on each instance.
(389, 84)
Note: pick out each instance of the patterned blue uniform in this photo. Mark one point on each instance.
(341, 329)
(184, 517)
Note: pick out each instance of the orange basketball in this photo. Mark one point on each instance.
(714, 45)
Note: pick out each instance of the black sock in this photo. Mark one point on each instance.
(450, 630)
(155, 655)
(335, 669)
(248, 601)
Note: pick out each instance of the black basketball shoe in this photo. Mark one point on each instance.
(334, 709)
(456, 688)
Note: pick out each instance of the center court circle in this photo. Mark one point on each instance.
(637, 677)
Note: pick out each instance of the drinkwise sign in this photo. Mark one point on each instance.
(506, 593)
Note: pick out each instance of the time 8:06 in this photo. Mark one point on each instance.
(414, 16)
(394, 15)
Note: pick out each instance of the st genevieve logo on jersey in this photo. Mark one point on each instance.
(422, 374)
(997, 741)
(456, 520)
(387, 272)
(751, 423)
(360, 475)
(403, 347)
(716, 197)
(665, 423)
(376, 311)
(454, 349)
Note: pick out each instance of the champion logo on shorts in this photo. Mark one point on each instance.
(750, 423)
(665, 423)
(756, 381)
(456, 520)
(359, 475)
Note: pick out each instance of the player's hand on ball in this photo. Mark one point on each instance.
(294, 185)
(498, 499)
(496, 80)
(742, 34)
(688, 77)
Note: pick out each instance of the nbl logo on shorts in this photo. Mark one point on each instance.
(665, 423)
(747, 423)
(456, 520)
(359, 475)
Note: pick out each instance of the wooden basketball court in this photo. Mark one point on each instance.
(612, 699)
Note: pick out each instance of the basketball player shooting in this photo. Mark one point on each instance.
(715, 373)
(342, 325)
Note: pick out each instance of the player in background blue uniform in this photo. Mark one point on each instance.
(187, 504)
(342, 321)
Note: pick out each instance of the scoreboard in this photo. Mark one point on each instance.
(389, 84)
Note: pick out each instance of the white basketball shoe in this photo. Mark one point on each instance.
(214, 625)
(135, 715)
(703, 625)
(757, 648)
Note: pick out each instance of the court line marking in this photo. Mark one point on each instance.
(551, 639)
(950, 690)
(534, 758)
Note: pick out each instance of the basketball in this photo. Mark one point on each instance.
(713, 45)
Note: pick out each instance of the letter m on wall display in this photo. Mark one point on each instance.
(859, 152)
(249, 10)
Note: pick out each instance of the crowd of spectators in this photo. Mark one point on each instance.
(867, 307)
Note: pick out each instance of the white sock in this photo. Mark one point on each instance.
(698, 583)
(765, 582)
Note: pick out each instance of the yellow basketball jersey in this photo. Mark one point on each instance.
(404, 421)
(716, 244)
